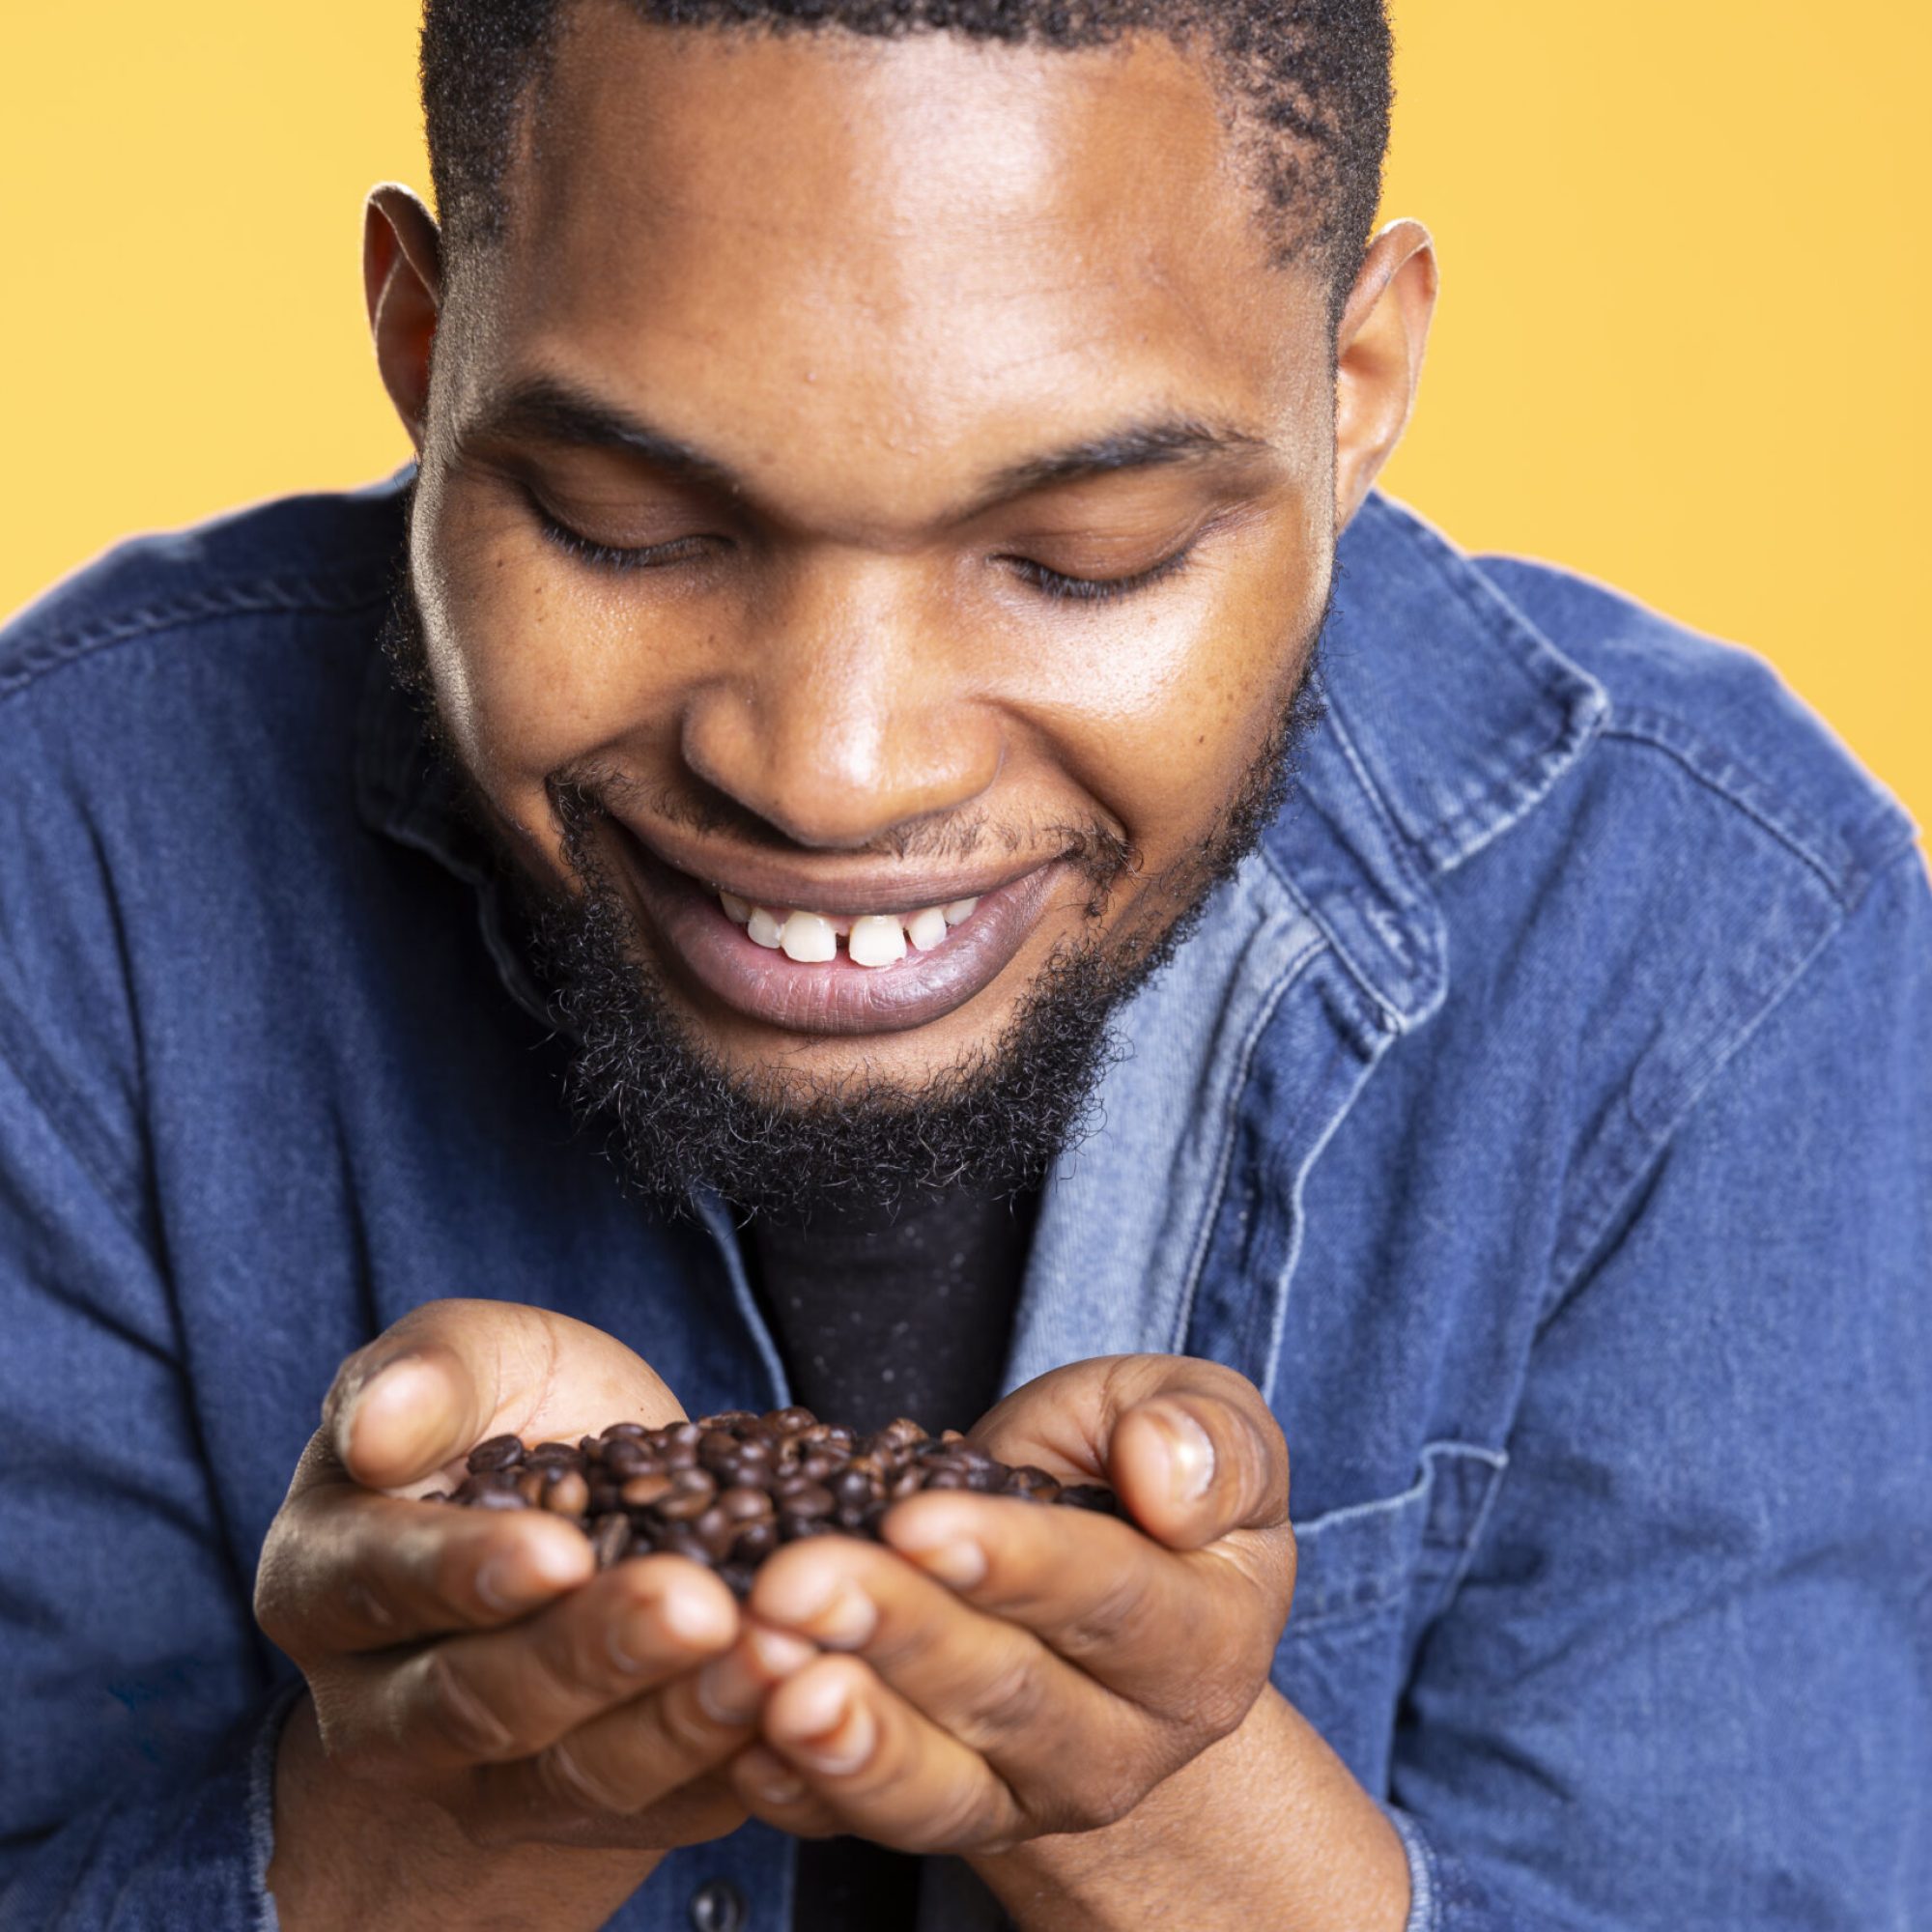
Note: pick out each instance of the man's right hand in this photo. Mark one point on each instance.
(485, 1707)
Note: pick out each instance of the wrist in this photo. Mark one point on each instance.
(1266, 1827)
(349, 1853)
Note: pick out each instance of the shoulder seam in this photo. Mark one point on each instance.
(1844, 870)
(1578, 1253)
(344, 592)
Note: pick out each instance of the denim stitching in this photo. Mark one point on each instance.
(1204, 1236)
(36, 657)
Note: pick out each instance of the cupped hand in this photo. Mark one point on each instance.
(476, 1656)
(1005, 1670)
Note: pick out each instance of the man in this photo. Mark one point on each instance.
(880, 477)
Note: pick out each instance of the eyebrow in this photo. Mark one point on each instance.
(542, 408)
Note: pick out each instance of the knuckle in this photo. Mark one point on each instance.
(575, 1784)
(691, 1737)
(963, 1818)
(1010, 1700)
(460, 1713)
(1093, 1804)
(1105, 1619)
(1219, 1704)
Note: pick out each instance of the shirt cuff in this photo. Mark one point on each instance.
(261, 1804)
(1423, 1890)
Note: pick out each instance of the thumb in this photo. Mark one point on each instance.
(1191, 1465)
(452, 1373)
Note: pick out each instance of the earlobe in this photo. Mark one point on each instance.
(401, 284)
(1378, 352)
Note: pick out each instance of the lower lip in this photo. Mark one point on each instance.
(835, 996)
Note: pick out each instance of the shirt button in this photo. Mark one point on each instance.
(717, 1906)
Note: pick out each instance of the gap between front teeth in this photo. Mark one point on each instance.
(872, 939)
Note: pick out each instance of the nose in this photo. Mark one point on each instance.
(845, 708)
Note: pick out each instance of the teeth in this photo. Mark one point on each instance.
(808, 939)
(872, 939)
(926, 929)
(876, 940)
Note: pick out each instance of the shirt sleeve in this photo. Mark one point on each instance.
(138, 1702)
(1688, 1678)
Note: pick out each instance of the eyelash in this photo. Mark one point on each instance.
(1052, 584)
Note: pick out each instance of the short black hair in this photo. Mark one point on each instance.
(1311, 76)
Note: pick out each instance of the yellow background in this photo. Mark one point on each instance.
(1682, 343)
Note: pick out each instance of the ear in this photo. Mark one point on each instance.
(1378, 358)
(402, 282)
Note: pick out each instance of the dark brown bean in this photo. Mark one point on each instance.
(683, 1505)
(498, 1453)
(726, 1489)
(609, 1538)
(568, 1495)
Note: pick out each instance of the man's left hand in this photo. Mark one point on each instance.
(1007, 1671)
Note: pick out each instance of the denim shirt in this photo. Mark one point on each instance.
(1542, 1117)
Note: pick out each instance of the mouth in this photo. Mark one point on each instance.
(812, 970)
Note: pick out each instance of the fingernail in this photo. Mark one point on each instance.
(779, 1654)
(849, 1620)
(779, 1787)
(388, 1385)
(844, 1744)
(727, 1693)
(960, 1563)
(518, 1580)
(770, 1777)
(697, 1617)
(1190, 1454)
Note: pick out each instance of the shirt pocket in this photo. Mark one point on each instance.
(1369, 1578)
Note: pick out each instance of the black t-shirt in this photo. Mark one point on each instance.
(879, 1316)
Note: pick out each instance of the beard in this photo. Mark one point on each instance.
(677, 1121)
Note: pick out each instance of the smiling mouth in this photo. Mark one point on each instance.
(818, 972)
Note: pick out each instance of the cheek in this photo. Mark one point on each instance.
(1162, 719)
(532, 673)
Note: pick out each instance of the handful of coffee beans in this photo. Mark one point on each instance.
(728, 1490)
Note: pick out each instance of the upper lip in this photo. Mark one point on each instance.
(749, 876)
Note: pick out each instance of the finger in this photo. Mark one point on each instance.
(506, 1695)
(882, 1770)
(1042, 1724)
(451, 1372)
(345, 1569)
(625, 1762)
(1190, 1445)
(1192, 1464)
(1163, 1628)
(771, 1789)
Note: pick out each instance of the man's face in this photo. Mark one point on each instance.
(872, 476)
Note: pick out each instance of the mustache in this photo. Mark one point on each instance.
(581, 794)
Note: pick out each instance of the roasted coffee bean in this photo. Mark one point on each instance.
(683, 1505)
(1090, 1496)
(609, 1538)
(728, 1490)
(568, 1495)
(494, 1498)
(499, 1453)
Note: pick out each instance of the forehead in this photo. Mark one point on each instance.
(907, 242)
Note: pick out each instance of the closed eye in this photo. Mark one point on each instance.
(615, 556)
(1097, 589)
